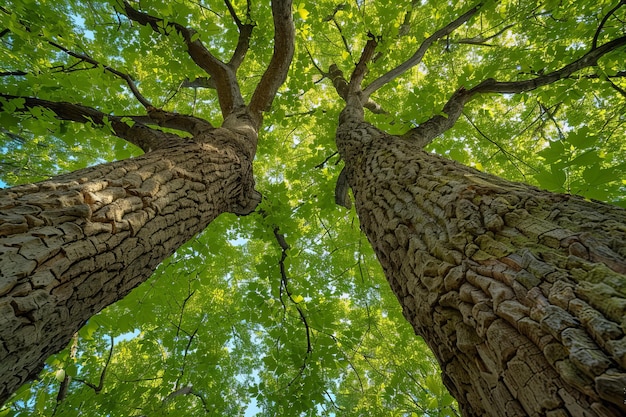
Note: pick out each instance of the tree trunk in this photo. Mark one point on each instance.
(520, 293)
(74, 244)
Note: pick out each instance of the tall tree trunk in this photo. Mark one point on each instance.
(74, 244)
(520, 293)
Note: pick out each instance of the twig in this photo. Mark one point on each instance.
(124, 76)
(98, 388)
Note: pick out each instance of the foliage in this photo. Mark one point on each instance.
(219, 329)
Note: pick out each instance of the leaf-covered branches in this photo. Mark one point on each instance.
(131, 128)
(226, 84)
(594, 43)
(421, 51)
(590, 59)
(127, 78)
(438, 124)
(223, 75)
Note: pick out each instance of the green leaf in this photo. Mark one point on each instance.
(59, 375)
(581, 138)
(552, 180)
(302, 11)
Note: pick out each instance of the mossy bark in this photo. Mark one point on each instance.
(519, 292)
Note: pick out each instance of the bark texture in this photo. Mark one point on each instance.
(520, 293)
(74, 244)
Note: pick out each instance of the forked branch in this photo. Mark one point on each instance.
(245, 32)
(341, 86)
(276, 72)
(421, 51)
(228, 91)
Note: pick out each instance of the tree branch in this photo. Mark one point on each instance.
(341, 86)
(13, 74)
(436, 125)
(594, 43)
(228, 91)
(245, 32)
(284, 283)
(419, 54)
(481, 40)
(361, 67)
(139, 134)
(98, 388)
(125, 77)
(590, 59)
(171, 120)
(276, 72)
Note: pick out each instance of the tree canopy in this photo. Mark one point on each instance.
(286, 311)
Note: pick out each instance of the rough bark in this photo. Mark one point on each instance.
(520, 293)
(74, 244)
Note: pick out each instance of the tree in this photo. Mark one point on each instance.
(97, 233)
(519, 292)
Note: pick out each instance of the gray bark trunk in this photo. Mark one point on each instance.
(74, 244)
(520, 293)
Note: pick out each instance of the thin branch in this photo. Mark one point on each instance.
(321, 164)
(481, 40)
(138, 134)
(98, 388)
(228, 91)
(343, 38)
(419, 54)
(182, 312)
(245, 32)
(436, 125)
(67, 379)
(276, 72)
(284, 246)
(617, 87)
(284, 283)
(594, 43)
(125, 77)
(186, 352)
(508, 154)
(13, 74)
